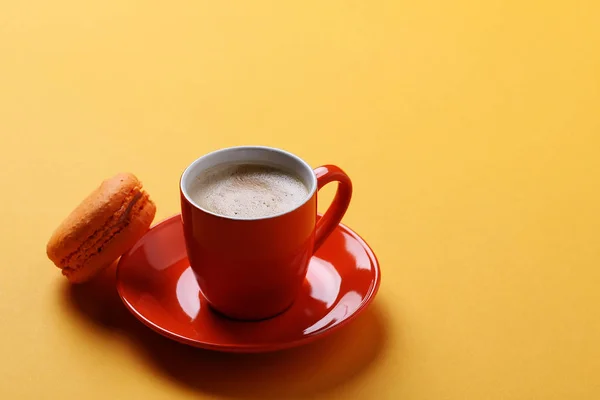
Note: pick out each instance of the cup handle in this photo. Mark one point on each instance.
(339, 205)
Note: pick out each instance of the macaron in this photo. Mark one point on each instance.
(107, 223)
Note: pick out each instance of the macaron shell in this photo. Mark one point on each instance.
(105, 224)
(91, 215)
(131, 223)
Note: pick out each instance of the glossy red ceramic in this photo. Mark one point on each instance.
(252, 269)
(157, 285)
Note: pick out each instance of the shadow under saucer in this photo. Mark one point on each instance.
(303, 371)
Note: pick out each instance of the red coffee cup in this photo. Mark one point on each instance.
(252, 269)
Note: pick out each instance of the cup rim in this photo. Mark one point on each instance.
(185, 176)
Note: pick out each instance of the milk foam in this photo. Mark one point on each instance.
(248, 191)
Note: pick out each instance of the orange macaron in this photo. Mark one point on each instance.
(108, 222)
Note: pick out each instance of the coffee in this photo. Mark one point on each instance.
(248, 191)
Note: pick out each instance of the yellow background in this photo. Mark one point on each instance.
(471, 130)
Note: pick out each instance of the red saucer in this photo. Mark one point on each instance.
(157, 285)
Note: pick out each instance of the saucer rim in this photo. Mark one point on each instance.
(251, 348)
